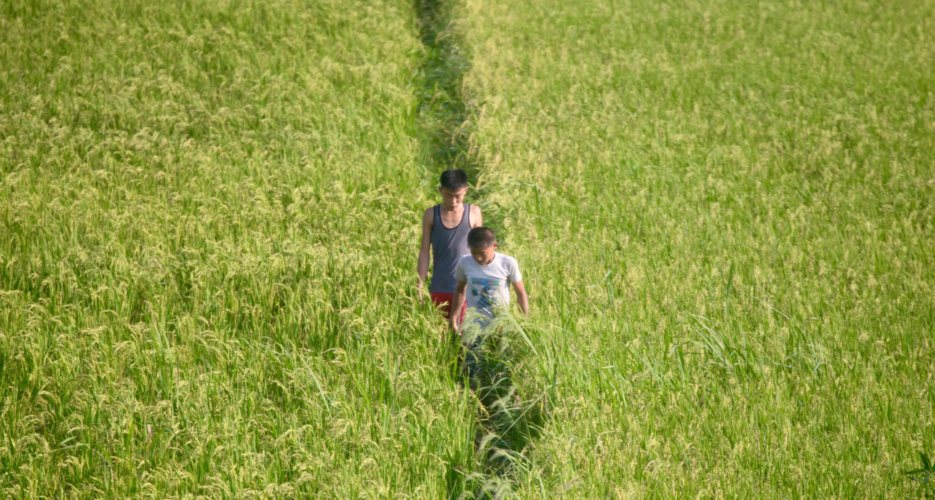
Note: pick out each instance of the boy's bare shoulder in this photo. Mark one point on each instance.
(476, 216)
(429, 215)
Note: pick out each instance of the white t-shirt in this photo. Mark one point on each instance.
(488, 287)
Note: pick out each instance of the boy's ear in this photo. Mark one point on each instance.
(495, 245)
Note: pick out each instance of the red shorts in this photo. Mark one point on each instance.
(444, 301)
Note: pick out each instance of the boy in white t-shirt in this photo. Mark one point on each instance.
(484, 278)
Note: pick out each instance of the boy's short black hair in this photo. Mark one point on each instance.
(454, 179)
(481, 237)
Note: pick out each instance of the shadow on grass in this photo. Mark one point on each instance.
(513, 410)
(510, 415)
(443, 113)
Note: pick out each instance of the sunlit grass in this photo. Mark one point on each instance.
(724, 213)
(206, 254)
(209, 218)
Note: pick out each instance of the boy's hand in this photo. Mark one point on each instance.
(422, 266)
(455, 327)
(457, 302)
(522, 299)
(453, 320)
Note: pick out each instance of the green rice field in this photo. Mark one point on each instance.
(209, 222)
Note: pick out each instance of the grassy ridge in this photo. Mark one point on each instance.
(724, 211)
(208, 245)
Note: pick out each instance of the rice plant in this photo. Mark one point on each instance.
(205, 249)
(726, 223)
(925, 475)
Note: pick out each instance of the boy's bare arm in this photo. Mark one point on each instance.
(457, 302)
(423, 266)
(477, 219)
(522, 300)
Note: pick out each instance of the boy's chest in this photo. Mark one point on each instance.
(451, 219)
(487, 291)
(487, 281)
(482, 282)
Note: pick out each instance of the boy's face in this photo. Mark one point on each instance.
(452, 198)
(484, 256)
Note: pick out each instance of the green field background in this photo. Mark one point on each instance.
(209, 223)
(725, 211)
(209, 219)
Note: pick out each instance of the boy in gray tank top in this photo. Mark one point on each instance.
(444, 232)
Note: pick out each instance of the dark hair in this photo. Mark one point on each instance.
(454, 179)
(481, 237)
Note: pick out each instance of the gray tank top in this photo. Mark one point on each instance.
(448, 245)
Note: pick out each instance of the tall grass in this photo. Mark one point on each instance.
(724, 214)
(206, 249)
(208, 228)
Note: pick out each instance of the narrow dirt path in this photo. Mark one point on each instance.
(506, 421)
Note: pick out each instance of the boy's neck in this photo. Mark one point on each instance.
(457, 208)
